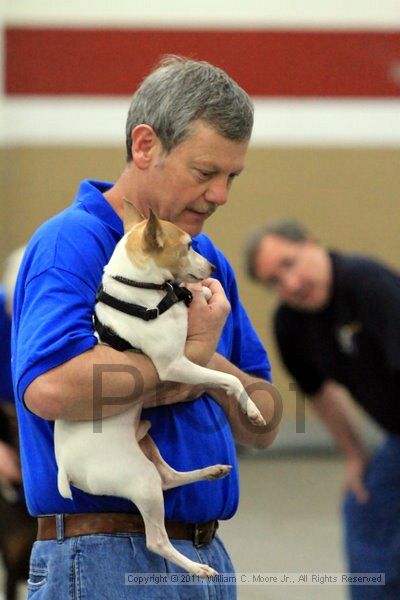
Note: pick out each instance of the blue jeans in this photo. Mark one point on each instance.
(372, 530)
(94, 567)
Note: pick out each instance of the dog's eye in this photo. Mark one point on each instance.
(189, 245)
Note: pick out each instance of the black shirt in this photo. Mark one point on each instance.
(355, 340)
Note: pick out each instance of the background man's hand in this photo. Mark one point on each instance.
(354, 472)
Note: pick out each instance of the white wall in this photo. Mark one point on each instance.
(230, 13)
(278, 121)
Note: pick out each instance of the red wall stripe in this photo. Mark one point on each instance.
(265, 63)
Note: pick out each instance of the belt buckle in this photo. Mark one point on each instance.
(203, 534)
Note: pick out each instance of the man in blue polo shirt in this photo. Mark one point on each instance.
(188, 129)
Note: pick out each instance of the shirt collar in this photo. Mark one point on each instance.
(90, 194)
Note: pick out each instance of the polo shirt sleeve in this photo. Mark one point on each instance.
(375, 290)
(55, 324)
(293, 353)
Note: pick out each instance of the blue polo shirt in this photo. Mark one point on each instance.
(54, 300)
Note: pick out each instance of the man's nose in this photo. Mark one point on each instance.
(290, 283)
(217, 193)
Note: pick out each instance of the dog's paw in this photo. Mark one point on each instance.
(203, 570)
(254, 415)
(217, 471)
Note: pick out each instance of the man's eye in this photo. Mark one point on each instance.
(203, 175)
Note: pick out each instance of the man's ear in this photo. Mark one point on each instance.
(144, 140)
(153, 235)
(132, 215)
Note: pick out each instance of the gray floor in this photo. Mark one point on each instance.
(288, 522)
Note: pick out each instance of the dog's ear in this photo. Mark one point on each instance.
(153, 235)
(132, 215)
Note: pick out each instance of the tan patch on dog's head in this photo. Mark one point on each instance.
(159, 240)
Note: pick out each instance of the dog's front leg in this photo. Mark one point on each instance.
(182, 370)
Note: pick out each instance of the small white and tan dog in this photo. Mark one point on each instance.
(124, 461)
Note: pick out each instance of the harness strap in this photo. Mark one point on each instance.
(175, 294)
(108, 336)
(165, 285)
(135, 310)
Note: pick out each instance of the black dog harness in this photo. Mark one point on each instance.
(174, 294)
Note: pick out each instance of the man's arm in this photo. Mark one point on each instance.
(263, 394)
(75, 388)
(69, 390)
(334, 407)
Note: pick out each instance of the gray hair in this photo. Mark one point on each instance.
(180, 91)
(289, 229)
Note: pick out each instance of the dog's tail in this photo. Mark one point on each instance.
(63, 484)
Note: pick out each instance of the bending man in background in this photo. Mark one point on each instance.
(338, 331)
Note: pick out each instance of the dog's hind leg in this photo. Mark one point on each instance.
(142, 430)
(171, 478)
(148, 497)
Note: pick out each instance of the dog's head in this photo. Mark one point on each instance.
(168, 246)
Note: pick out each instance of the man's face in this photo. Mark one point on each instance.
(189, 183)
(299, 272)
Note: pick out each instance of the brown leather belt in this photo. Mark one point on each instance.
(89, 523)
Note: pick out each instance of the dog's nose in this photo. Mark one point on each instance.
(213, 268)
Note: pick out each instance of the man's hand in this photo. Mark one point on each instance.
(10, 471)
(169, 392)
(354, 472)
(334, 406)
(206, 320)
